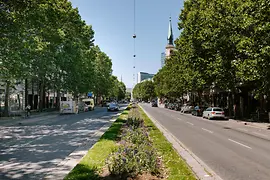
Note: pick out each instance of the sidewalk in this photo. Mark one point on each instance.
(33, 116)
(252, 124)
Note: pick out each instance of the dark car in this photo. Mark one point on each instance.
(154, 104)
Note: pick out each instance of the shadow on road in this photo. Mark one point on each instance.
(33, 151)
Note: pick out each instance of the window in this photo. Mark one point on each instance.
(217, 109)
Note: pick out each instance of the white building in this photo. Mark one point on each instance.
(163, 57)
(143, 75)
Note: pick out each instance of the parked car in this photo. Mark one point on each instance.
(170, 106)
(154, 104)
(113, 107)
(177, 106)
(214, 113)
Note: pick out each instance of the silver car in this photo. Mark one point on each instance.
(214, 113)
(113, 107)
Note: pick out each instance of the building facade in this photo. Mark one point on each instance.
(143, 75)
(163, 57)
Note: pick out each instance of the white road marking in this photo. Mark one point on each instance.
(190, 123)
(242, 129)
(207, 130)
(260, 134)
(179, 119)
(240, 143)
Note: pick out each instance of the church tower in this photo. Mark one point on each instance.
(170, 45)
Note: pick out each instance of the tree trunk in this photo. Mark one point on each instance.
(26, 93)
(58, 98)
(44, 96)
(33, 94)
(19, 100)
(6, 99)
(41, 96)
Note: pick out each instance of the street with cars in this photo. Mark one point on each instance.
(231, 149)
(32, 148)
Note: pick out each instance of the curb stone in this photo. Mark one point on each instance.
(200, 169)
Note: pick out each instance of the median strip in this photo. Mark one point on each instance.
(92, 163)
(132, 148)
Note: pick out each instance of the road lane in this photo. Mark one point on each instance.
(31, 150)
(222, 150)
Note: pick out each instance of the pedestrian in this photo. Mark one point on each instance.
(28, 108)
(234, 111)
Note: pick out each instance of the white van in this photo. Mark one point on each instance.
(89, 103)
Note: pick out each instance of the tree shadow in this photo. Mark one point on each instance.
(40, 148)
(113, 132)
(83, 172)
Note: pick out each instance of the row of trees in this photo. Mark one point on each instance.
(225, 43)
(144, 91)
(47, 42)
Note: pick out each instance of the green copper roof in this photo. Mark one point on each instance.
(170, 33)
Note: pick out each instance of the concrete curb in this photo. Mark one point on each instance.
(200, 169)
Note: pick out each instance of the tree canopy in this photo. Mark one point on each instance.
(144, 91)
(48, 42)
(225, 43)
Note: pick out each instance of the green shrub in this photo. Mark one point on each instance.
(136, 153)
(134, 123)
(135, 136)
(131, 160)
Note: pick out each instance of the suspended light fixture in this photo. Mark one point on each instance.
(134, 42)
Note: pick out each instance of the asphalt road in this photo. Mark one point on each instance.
(232, 151)
(31, 148)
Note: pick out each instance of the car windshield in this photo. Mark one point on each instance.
(87, 102)
(112, 104)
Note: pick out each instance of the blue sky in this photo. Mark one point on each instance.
(112, 21)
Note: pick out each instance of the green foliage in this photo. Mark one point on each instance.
(103, 73)
(56, 48)
(222, 42)
(144, 90)
(133, 160)
(117, 89)
(136, 155)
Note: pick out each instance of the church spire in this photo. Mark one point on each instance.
(170, 33)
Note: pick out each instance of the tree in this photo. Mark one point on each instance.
(122, 90)
(117, 89)
(144, 91)
(103, 72)
(56, 48)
